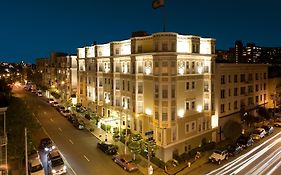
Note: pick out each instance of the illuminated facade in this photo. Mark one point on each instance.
(59, 73)
(239, 87)
(162, 82)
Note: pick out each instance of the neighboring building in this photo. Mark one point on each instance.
(59, 74)
(274, 86)
(238, 48)
(239, 87)
(162, 82)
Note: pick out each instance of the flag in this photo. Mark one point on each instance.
(157, 4)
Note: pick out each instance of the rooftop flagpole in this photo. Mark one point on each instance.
(157, 4)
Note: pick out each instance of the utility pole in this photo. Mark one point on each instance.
(26, 157)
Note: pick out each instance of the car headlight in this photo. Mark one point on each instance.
(53, 171)
(46, 149)
(53, 147)
(64, 167)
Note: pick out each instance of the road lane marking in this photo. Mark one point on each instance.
(60, 129)
(71, 141)
(86, 158)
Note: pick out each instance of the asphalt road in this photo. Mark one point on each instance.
(78, 147)
(264, 159)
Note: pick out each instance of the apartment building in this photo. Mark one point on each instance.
(59, 74)
(162, 82)
(239, 87)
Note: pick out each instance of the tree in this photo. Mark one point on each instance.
(232, 129)
(135, 147)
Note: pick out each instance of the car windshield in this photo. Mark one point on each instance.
(217, 152)
(36, 168)
(57, 162)
(257, 131)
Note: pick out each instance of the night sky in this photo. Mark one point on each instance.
(32, 29)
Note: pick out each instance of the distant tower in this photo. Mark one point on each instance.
(238, 51)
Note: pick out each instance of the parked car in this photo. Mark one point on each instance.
(258, 134)
(88, 116)
(218, 156)
(268, 129)
(107, 148)
(50, 100)
(55, 104)
(65, 112)
(234, 149)
(60, 108)
(35, 167)
(245, 140)
(46, 144)
(33, 154)
(79, 124)
(71, 118)
(125, 161)
(55, 163)
(277, 124)
(39, 93)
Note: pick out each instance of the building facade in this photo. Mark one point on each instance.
(239, 87)
(162, 82)
(59, 74)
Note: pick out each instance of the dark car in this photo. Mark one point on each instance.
(268, 129)
(88, 116)
(107, 148)
(46, 144)
(245, 140)
(125, 161)
(60, 108)
(71, 118)
(79, 124)
(234, 149)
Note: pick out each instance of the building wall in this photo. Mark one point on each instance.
(251, 92)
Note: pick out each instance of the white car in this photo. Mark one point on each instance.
(56, 164)
(35, 167)
(65, 112)
(218, 156)
(258, 133)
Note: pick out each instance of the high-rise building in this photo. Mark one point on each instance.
(162, 82)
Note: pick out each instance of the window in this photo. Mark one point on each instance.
(229, 92)
(222, 93)
(164, 93)
(173, 114)
(222, 108)
(250, 77)
(193, 65)
(164, 116)
(187, 105)
(193, 105)
(193, 85)
(264, 76)
(206, 86)
(186, 127)
(193, 126)
(156, 115)
(257, 76)
(156, 90)
(117, 85)
(128, 87)
(173, 91)
(222, 79)
(123, 83)
(257, 99)
(187, 86)
(117, 51)
(257, 87)
(140, 87)
(242, 77)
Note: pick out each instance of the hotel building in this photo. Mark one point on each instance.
(163, 82)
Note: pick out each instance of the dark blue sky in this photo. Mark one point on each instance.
(31, 29)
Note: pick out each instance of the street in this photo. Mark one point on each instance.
(77, 147)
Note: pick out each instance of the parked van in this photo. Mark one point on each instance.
(35, 167)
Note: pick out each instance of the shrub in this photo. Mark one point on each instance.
(158, 162)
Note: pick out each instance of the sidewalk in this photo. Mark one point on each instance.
(143, 164)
